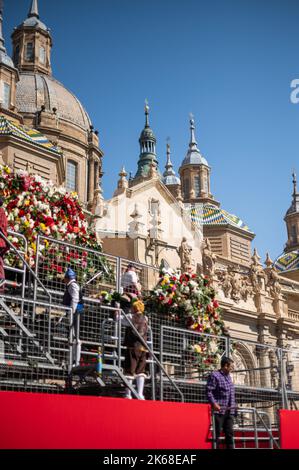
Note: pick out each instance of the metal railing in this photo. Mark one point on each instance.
(95, 270)
(98, 273)
(188, 356)
(36, 344)
(163, 373)
(250, 426)
(98, 328)
(28, 267)
(265, 375)
(260, 371)
(13, 263)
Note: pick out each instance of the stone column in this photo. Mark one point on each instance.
(91, 187)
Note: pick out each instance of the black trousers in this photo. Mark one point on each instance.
(224, 422)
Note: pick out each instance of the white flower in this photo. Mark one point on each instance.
(213, 347)
(21, 172)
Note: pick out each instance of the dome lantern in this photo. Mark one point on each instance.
(195, 173)
(147, 142)
(32, 44)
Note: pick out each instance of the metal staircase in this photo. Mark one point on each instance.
(111, 381)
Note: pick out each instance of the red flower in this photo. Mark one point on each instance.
(215, 304)
(49, 221)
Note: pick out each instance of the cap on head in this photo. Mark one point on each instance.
(70, 274)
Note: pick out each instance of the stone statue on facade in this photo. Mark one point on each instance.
(272, 279)
(185, 251)
(97, 207)
(246, 288)
(236, 284)
(225, 279)
(256, 273)
(273, 369)
(208, 259)
(153, 172)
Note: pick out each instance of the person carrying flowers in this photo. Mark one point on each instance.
(136, 353)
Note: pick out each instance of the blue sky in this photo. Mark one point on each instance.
(229, 62)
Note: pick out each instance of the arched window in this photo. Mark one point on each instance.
(5, 95)
(294, 233)
(197, 186)
(42, 55)
(71, 175)
(17, 54)
(186, 188)
(29, 52)
(205, 183)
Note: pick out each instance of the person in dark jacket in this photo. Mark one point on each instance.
(221, 396)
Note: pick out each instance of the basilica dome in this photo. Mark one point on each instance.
(35, 90)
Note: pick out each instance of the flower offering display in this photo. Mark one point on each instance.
(35, 206)
(189, 300)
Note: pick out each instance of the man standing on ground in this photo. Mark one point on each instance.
(221, 395)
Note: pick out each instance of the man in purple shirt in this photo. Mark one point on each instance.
(221, 395)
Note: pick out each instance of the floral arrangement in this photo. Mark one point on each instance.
(35, 207)
(189, 299)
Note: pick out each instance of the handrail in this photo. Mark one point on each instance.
(266, 427)
(118, 346)
(150, 351)
(255, 413)
(83, 248)
(26, 264)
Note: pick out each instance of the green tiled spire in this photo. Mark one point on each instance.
(147, 143)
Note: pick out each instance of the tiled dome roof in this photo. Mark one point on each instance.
(287, 261)
(208, 214)
(9, 127)
(35, 90)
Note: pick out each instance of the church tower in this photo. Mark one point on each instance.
(32, 44)
(170, 179)
(288, 262)
(292, 220)
(8, 77)
(195, 174)
(147, 157)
